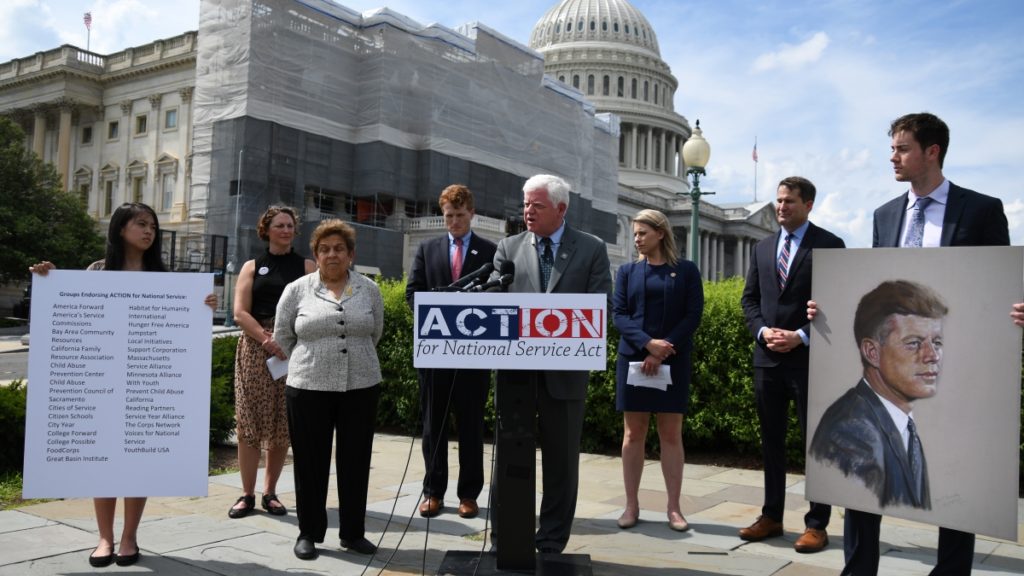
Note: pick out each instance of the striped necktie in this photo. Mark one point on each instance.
(783, 263)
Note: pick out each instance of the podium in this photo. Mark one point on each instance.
(518, 334)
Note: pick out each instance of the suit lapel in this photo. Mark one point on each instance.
(892, 435)
(891, 222)
(532, 263)
(566, 249)
(954, 208)
(473, 260)
(439, 259)
(769, 265)
(805, 247)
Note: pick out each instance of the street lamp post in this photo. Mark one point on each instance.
(229, 315)
(696, 153)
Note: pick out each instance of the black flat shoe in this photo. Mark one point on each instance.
(250, 503)
(305, 549)
(129, 559)
(101, 561)
(362, 546)
(278, 510)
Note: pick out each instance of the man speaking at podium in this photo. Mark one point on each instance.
(553, 257)
(440, 262)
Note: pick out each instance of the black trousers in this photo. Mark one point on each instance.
(774, 388)
(463, 392)
(860, 546)
(313, 418)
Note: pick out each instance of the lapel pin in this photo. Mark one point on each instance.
(473, 252)
(673, 274)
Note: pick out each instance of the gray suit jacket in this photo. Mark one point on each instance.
(581, 267)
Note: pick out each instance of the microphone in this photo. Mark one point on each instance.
(489, 286)
(508, 272)
(461, 284)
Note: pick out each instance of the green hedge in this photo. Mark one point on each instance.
(222, 389)
(12, 426)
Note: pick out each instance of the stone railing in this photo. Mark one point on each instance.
(482, 223)
(74, 57)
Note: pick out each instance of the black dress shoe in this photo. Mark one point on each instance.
(128, 560)
(362, 546)
(101, 561)
(278, 510)
(305, 549)
(250, 503)
(548, 550)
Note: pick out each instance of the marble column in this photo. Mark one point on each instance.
(721, 258)
(704, 256)
(64, 145)
(649, 156)
(633, 146)
(39, 132)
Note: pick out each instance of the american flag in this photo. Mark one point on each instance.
(754, 153)
(87, 18)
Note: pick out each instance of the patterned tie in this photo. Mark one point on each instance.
(457, 260)
(784, 262)
(547, 261)
(916, 457)
(915, 235)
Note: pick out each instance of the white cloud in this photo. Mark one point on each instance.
(791, 57)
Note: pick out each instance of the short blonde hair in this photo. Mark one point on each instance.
(333, 227)
(659, 222)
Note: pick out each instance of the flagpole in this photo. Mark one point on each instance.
(87, 20)
(755, 169)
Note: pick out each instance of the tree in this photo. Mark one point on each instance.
(38, 220)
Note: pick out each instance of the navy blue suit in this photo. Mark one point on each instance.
(463, 390)
(970, 219)
(780, 377)
(677, 318)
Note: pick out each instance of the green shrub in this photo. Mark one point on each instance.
(399, 406)
(222, 389)
(12, 426)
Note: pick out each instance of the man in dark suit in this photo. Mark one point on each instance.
(553, 257)
(439, 262)
(869, 432)
(934, 212)
(777, 288)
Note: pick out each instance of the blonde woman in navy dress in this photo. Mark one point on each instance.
(657, 307)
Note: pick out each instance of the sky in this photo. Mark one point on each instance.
(815, 82)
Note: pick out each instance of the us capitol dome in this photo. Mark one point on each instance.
(609, 51)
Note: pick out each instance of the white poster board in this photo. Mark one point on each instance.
(513, 331)
(969, 429)
(118, 385)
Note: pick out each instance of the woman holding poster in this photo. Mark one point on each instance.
(657, 306)
(328, 324)
(259, 398)
(133, 244)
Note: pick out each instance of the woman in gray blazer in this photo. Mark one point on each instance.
(328, 324)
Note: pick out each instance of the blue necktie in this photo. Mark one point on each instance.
(915, 236)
